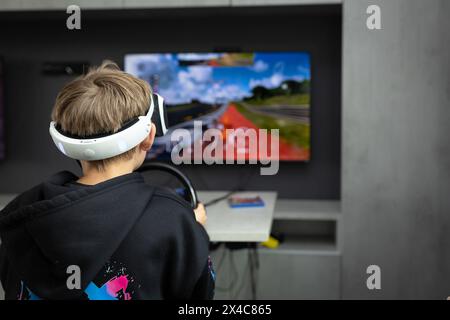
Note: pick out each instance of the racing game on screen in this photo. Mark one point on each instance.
(257, 90)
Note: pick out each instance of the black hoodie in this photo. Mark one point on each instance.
(125, 238)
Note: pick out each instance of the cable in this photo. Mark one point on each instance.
(254, 266)
(240, 187)
(216, 200)
(235, 273)
(250, 270)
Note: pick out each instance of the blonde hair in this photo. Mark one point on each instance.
(101, 101)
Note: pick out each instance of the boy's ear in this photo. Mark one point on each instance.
(148, 142)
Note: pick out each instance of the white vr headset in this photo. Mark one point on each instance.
(103, 146)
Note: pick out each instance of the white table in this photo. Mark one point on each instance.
(227, 224)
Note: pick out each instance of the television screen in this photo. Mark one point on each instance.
(2, 122)
(257, 90)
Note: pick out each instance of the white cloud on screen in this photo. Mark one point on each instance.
(198, 83)
(197, 56)
(222, 93)
(271, 82)
(145, 63)
(148, 65)
(260, 66)
(275, 79)
(196, 73)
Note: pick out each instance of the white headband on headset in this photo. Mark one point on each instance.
(111, 145)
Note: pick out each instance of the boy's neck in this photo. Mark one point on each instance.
(92, 176)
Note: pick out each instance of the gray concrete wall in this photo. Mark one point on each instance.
(396, 149)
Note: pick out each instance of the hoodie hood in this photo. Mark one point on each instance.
(54, 225)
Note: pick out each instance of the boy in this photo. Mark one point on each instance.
(106, 235)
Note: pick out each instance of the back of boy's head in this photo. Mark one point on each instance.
(101, 102)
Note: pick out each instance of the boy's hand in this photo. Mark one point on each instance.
(200, 214)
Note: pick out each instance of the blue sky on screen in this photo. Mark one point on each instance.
(216, 84)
